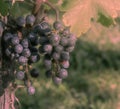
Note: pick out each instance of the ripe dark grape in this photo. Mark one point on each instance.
(47, 48)
(20, 75)
(21, 21)
(26, 52)
(25, 43)
(48, 73)
(22, 60)
(7, 36)
(33, 39)
(30, 19)
(63, 73)
(56, 56)
(65, 55)
(34, 73)
(43, 28)
(57, 80)
(54, 39)
(18, 48)
(64, 41)
(58, 25)
(43, 40)
(65, 64)
(58, 48)
(15, 40)
(35, 57)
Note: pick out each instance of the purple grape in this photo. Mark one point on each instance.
(65, 64)
(66, 31)
(21, 21)
(34, 73)
(57, 80)
(33, 39)
(56, 56)
(34, 57)
(58, 25)
(64, 41)
(48, 73)
(54, 39)
(47, 48)
(48, 64)
(71, 40)
(7, 36)
(63, 73)
(15, 40)
(30, 19)
(58, 48)
(20, 75)
(25, 43)
(22, 60)
(26, 52)
(31, 90)
(43, 40)
(65, 55)
(43, 28)
(18, 48)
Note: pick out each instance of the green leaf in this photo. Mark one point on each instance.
(21, 9)
(4, 7)
(104, 20)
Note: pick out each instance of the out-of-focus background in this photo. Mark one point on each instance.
(94, 73)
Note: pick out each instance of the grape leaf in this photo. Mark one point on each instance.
(4, 7)
(81, 13)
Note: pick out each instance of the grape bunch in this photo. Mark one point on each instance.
(24, 43)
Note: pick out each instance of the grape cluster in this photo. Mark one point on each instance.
(24, 42)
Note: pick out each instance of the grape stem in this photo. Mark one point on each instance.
(54, 8)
